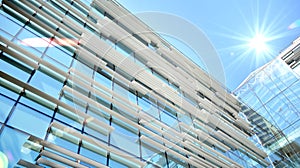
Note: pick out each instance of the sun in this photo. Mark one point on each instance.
(259, 43)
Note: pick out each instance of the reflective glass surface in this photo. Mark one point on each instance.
(273, 93)
(68, 97)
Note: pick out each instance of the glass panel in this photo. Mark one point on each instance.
(36, 106)
(153, 155)
(59, 141)
(113, 163)
(123, 49)
(82, 69)
(124, 138)
(59, 55)
(8, 26)
(87, 2)
(103, 80)
(40, 44)
(120, 90)
(69, 117)
(125, 113)
(30, 121)
(55, 63)
(185, 118)
(33, 50)
(96, 134)
(251, 100)
(148, 107)
(72, 101)
(175, 162)
(11, 67)
(11, 144)
(132, 97)
(46, 84)
(8, 92)
(92, 155)
(167, 119)
(6, 105)
(95, 148)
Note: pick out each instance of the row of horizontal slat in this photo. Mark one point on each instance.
(166, 94)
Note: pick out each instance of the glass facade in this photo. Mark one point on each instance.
(80, 87)
(273, 92)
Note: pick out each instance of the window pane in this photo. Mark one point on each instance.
(153, 155)
(30, 121)
(69, 117)
(148, 107)
(167, 119)
(6, 105)
(92, 155)
(124, 138)
(8, 26)
(26, 34)
(36, 106)
(11, 144)
(113, 163)
(59, 141)
(103, 80)
(46, 84)
(82, 69)
(11, 67)
(59, 55)
(8, 92)
(101, 116)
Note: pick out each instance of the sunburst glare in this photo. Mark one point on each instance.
(259, 43)
(255, 40)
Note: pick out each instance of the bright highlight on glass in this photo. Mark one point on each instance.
(3, 160)
(259, 43)
(48, 42)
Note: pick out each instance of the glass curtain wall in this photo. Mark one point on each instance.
(66, 101)
(273, 92)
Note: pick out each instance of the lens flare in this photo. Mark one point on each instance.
(294, 25)
(3, 160)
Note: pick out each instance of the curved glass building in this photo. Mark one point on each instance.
(272, 92)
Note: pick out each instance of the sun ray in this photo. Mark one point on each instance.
(258, 38)
(259, 43)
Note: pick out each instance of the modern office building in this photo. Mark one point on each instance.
(272, 92)
(291, 56)
(87, 84)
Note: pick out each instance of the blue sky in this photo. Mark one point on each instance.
(230, 25)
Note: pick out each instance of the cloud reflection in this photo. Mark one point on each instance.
(48, 42)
